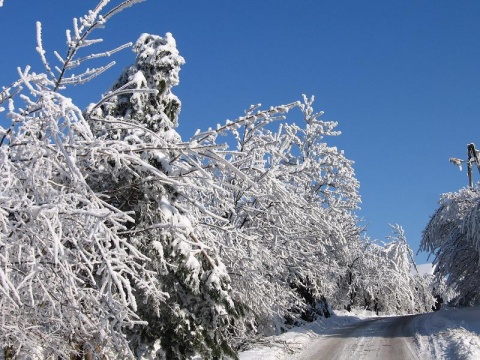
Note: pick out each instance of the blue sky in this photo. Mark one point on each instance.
(402, 78)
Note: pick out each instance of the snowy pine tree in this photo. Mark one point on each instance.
(198, 307)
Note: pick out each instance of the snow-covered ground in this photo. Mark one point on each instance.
(446, 334)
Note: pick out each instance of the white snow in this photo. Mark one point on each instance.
(423, 269)
(450, 333)
(446, 334)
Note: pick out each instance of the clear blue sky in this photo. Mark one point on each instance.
(402, 78)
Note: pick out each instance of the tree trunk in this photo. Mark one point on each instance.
(80, 353)
(8, 353)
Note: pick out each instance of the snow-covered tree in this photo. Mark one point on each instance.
(119, 238)
(452, 235)
(67, 275)
(287, 213)
(380, 277)
(198, 308)
(96, 257)
(400, 289)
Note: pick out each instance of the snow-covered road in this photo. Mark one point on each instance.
(447, 334)
(380, 338)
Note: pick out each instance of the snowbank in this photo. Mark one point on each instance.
(450, 333)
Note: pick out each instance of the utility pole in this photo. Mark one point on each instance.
(472, 157)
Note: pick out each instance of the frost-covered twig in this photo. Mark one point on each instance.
(265, 114)
(83, 27)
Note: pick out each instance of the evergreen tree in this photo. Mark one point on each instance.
(198, 307)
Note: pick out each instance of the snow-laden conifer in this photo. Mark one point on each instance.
(142, 112)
